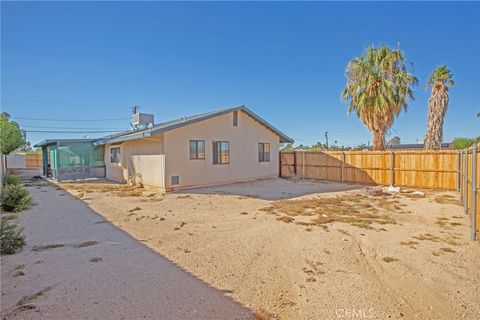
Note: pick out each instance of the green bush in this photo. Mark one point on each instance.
(11, 179)
(462, 143)
(12, 239)
(15, 198)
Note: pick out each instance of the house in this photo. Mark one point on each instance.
(218, 147)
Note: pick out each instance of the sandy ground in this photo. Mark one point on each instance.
(76, 265)
(343, 254)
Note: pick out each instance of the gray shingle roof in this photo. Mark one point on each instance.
(185, 121)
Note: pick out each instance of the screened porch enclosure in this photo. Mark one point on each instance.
(72, 159)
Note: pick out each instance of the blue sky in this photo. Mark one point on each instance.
(285, 61)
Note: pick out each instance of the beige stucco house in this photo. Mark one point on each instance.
(219, 147)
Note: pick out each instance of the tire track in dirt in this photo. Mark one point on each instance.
(424, 304)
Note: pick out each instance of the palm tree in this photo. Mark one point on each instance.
(439, 80)
(378, 89)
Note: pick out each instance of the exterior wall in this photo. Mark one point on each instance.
(244, 164)
(122, 171)
(149, 170)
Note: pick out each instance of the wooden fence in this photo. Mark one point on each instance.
(24, 160)
(443, 170)
(421, 169)
(34, 160)
(469, 175)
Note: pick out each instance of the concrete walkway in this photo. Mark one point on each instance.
(97, 271)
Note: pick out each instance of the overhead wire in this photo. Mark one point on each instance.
(69, 120)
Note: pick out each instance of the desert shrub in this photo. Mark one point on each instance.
(15, 198)
(11, 179)
(12, 238)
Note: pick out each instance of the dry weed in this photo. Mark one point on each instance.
(389, 259)
(48, 247)
(30, 298)
(447, 199)
(86, 244)
(408, 243)
(324, 210)
(286, 219)
(428, 237)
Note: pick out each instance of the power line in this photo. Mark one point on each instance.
(48, 131)
(79, 128)
(74, 120)
(28, 101)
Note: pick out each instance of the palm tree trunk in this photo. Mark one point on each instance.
(436, 112)
(378, 139)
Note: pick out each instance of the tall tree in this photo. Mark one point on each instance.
(439, 81)
(395, 140)
(378, 88)
(11, 136)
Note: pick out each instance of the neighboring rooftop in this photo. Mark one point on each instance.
(417, 146)
(185, 121)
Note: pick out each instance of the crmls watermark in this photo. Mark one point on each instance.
(354, 313)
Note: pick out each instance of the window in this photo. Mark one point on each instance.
(263, 152)
(235, 118)
(115, 155)
(197, 149)
(221, 152)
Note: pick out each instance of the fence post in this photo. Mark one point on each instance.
(303, 164)
(459, 172)
(343, 167)
(392, 168)
(465, 181)
(295, 163)
(279, 164)
(473, 207)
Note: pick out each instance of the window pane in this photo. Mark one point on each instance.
(225, 154)
(263, 152)
(193, 149)
(115, 155)
(201, 150)
(266, 150)
(221, 152)
(215, 151)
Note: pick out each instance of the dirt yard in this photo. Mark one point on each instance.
(306, 250)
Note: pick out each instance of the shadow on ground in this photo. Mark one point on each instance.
(273, 189)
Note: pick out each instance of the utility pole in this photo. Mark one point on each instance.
(326, 139)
